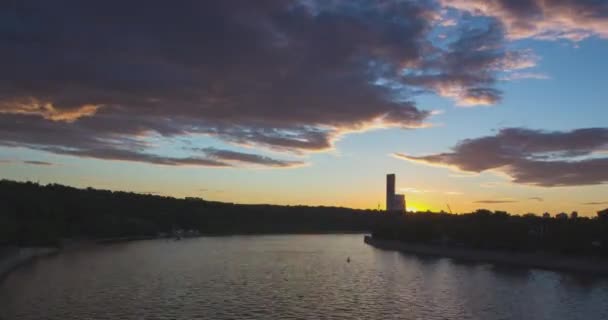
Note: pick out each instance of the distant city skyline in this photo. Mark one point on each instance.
(480, 104)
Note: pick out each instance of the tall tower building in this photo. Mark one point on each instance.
(390, 191)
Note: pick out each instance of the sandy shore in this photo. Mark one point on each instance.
(19, 256)
(588, 265)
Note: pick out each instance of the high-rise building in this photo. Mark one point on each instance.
(390, 191)
(394, 202)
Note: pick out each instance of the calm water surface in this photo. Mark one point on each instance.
(286, 277)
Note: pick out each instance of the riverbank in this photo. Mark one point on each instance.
(547, 261)
(15, 257)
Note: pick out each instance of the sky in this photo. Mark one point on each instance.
(471, 103)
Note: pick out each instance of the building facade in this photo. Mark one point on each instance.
(399, 203)
(390, 191)
(394, 202)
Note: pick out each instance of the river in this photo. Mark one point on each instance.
(287, 277)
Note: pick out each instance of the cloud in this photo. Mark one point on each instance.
(466, 70)
(539, 199)
(596, 203)
(248, 158)
(574, 20)
(514, 76)
(414, 190)
(98, 79)
(38, 163)
(452, 175)
(211, 158)
(453, 193)
(136, 156)
(495, 201)
(542, 158)
(47, 110)
(30, 162)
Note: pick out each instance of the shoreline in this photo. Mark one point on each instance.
(546, 261)
(22, 256)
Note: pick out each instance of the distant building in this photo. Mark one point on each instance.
(603, 214)
(399, 202)
(390, 191)
(394, 202)
(561, 216)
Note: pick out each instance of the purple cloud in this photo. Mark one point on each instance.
(534, 157)
(560, 19)
(97, 79)
(466, 70)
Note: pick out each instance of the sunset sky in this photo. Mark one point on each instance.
(475, 104)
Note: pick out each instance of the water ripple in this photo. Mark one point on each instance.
(287, 277)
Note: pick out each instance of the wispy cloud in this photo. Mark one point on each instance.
(453, 193)
(248, 158)
(495, 201)
(29, 162)
(415, 190)
(38, 163)
(524, 75)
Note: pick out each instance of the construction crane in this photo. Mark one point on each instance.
(449, 209)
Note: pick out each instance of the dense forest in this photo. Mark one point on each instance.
(484, 229)
(34, 214)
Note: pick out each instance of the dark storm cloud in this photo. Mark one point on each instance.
(543, 19)
(95, 78)
(531, 156)
(495, 201)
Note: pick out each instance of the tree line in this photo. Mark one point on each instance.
(484, 229)
(35, 214)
